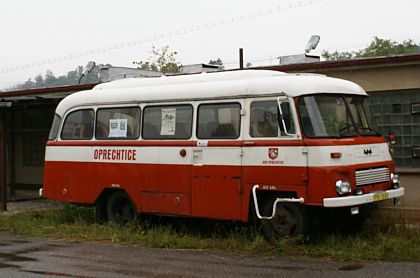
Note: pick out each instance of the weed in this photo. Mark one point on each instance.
(378, 240)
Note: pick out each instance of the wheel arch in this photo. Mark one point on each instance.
(102, 200)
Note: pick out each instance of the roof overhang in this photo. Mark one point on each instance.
(348, 64)
(44, 93)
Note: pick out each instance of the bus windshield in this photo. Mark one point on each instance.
(335, 116)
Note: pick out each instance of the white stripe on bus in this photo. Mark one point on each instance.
(230, 156)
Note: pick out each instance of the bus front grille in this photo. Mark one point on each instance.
(372, 176)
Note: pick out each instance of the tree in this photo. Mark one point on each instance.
(49, 79)
(218, 62)
(39, 81)
(378, 47)
(162, 60)
(335, 56)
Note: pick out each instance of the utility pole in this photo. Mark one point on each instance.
(241, 58)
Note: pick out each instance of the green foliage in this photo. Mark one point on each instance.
(71, 213)
(382, 47)
(378, 47)
(162, 60)
(335, 56)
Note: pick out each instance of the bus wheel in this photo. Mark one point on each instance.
(289, 221)
(121, 210)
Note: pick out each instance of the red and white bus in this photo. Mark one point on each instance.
(228, 145)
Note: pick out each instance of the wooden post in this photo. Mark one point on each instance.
(3, 189)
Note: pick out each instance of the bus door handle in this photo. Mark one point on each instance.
(197, 156)
(249, 143)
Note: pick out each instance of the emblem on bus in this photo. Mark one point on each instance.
(273, 153)
(367, 151)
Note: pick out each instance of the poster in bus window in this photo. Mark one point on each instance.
(118, 128)
(168, 122)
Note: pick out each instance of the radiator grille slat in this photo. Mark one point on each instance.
(372, 176)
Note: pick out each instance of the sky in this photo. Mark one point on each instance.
(37, 36)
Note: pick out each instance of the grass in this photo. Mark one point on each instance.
(379, 240)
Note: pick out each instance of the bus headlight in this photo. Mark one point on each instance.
(342, 187)
(395, 180)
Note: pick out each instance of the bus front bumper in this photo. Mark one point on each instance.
(349, 201)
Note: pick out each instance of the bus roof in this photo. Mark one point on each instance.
(217, 85)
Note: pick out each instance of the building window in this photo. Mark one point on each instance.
(118, 123)
(393, 112)
(219, 121)
(167, 122)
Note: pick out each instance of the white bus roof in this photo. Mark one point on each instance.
(218, 85)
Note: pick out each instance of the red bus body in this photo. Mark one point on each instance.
(212, 177)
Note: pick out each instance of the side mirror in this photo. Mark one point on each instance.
(285, 116)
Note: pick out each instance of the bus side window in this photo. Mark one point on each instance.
(219, 121)
(118, 123)
(78, 125)
(264, 115)
(167, 122)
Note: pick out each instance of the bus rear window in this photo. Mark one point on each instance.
(78, 125)
(118, 123)
(54, 128)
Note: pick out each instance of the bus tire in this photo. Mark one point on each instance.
(290, 221)
(121, 210)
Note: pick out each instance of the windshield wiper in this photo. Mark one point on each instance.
(347, 131)
(375, 132)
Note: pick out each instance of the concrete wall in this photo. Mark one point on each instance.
(381, 78)
(411, 182)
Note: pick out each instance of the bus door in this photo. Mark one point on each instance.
(217, 159)
(295, 152)
(274, 156)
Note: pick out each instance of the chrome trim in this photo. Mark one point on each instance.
(361, 199)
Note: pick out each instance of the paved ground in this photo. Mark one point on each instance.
(29, 257)
(30, 205)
